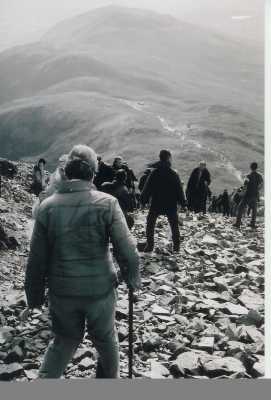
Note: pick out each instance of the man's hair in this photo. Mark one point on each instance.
(79, 169)
(254, 166)
(84, 153)
(164, 155)
(41, 161)
(118, 158)
(121, 176)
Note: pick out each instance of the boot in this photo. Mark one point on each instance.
(148, 249)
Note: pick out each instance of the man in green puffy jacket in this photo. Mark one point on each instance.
(70, 253)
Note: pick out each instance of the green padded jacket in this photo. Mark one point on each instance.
(69, 248)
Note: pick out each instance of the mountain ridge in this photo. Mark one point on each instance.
(197, 83)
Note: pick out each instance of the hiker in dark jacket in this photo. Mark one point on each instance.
(143, 179)
(225, 202)
(131, 178)
(7, 168)
(38, 177)
(236, 199)
(232, 204)
(119, 190)
(105, 173)
(197, 188)
(213, 205)
(55, 181)
(163, 188)
(118, 164)
(70, 252)
(254, 183)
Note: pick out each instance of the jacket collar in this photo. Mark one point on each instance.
(163, 164)
(75, 185)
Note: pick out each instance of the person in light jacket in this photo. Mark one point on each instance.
(70, 254)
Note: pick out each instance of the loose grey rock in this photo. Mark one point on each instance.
(31, 374)
(231, 308)
(15, 355)
(10, 371)
(251, 300)
(258, 369)
(122, 333)
(204, 343)
(81, 354)
(158, 371)
(151, 343)
(223, 366)
(254, 334)
(200, 300)
(86, 364)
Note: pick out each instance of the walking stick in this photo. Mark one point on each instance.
(130, 353)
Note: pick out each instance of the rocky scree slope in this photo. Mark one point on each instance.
(200, 314)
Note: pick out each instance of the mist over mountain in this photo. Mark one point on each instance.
(23, 22)
(131, 81)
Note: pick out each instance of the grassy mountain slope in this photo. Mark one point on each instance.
(128, 81)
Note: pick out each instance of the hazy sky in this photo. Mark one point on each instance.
(22, 21)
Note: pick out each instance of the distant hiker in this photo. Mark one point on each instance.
(117, 163)
(8, 170)
(70, 250)
(219, 204)
(58, 176)
(38, 177)
(198, 188)
(213, 205)
(237, 197)
(105, 173)
(54, 184)
(232, 203)
(225, 202)
(163, 188)
(254, 183)
(118, 189)
(209, 198)
(144, 178)
(131, 178)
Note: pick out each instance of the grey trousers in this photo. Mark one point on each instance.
(70, 315)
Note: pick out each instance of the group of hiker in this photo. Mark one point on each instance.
(244, 198)
(85, 206)
(227, 203)
(119, 180)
